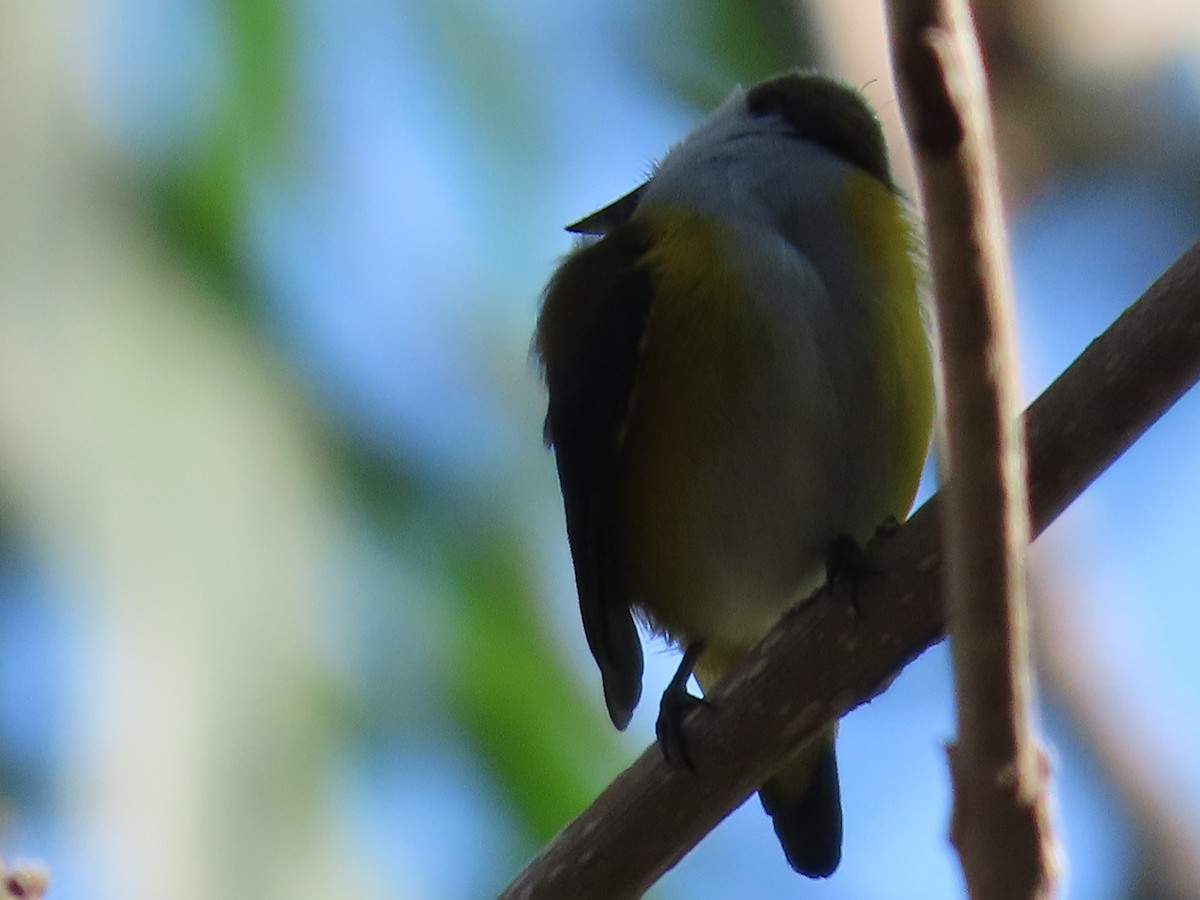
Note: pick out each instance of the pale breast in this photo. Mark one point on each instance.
(748, 448)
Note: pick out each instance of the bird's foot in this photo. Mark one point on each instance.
(675, 706)
(849, 564)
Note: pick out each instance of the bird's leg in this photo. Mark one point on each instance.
(676, 704)
(848, 563)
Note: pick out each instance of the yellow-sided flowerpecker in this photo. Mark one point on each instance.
(739, 382)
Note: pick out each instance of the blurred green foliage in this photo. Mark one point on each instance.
(699, 48)
(202, 200)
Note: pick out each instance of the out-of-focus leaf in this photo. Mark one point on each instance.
(487, 72)
(203, 205)
(548, 745)
(715, 44)
(494, 94)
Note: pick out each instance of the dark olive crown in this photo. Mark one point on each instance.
(828, 113)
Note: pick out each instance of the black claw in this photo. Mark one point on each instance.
(674, 708)
(849, 564)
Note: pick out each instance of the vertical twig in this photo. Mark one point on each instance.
(1000, 824)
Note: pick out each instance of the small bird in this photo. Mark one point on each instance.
(739, 383)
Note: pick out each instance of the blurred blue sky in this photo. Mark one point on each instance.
(401, 251)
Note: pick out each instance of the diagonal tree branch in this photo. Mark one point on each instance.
(822, 661)
(1001, 824)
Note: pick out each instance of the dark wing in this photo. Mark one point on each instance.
(589, 341)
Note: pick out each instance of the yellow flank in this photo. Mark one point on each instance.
(716, 660)
(702, 342)
(899, 342)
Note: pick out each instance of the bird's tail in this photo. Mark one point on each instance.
(802, 798)
(805, 804)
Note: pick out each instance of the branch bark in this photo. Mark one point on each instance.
(821, 661)
(1001, 824)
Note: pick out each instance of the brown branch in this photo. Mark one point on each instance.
(1001, 824)
(821, 661)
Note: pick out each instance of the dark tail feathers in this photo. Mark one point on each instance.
(805, 804)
